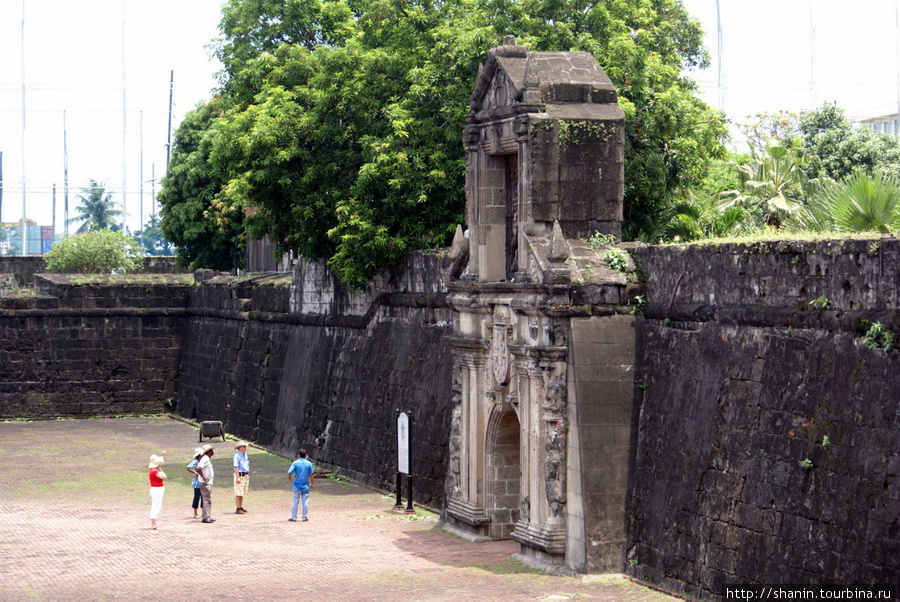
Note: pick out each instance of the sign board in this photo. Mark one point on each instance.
(403, 443)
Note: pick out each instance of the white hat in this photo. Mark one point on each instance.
(198, 451)
(155, 461)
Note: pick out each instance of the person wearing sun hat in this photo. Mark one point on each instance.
(206, 474)
(195, 483)
(241, 476)
(157, 488)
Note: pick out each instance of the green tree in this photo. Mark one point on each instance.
(837, 148)
(97, 251)
(151, 237)
(341, 121)
(97, 210)
(207, 232)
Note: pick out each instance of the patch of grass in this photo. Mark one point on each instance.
(773, 235)
(139, 279)
(508, 566)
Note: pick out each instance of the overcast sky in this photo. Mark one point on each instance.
(73, 59)
(776, 54)
(798, 54)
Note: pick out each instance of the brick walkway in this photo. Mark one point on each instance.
(74, 526)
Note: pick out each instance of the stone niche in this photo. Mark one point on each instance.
(544, 144)
(543, 346)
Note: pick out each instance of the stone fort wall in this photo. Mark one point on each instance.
(73, 350)
(768, 436)
(740, 380)
(309, 365)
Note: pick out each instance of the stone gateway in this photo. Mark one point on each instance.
(542, 391)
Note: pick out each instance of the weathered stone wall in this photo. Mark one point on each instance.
(768, 436)
(90, 350)
(328, 374)
(24, 268)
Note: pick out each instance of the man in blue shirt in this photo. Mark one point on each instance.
(241, 476)
(300, 476)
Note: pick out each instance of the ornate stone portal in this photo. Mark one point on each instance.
(543, 345)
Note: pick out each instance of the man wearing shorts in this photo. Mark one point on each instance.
(241, 477)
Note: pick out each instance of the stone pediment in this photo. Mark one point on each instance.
(517, 80)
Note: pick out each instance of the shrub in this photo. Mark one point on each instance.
(99, 252)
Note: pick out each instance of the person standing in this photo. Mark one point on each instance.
(241, 476)
(157, 488)
(206, 474)
(302, 482)
(195, 483)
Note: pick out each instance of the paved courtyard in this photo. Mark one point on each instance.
(74, 526)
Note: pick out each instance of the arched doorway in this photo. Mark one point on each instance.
(503, 474)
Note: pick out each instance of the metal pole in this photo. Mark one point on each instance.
(65, 178)
(24, 229)
(153, 190)
(409, 477)
(169, 134)
(897, 51)
(124, 123)
(812, 57)
(141, 172)
(719, 59)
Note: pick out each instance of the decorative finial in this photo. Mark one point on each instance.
(559, 248)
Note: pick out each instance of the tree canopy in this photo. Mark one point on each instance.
(206, 232)
(842, 148)
(340, 120)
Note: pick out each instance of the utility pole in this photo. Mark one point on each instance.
(897, 50)
(141, 203)
(24, 229)
(169, 134)
(153, 189)
(124, 122)
(65, 178)
(719, 59)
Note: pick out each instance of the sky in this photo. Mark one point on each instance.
(73, 63)
(775, 54)
(798, 54)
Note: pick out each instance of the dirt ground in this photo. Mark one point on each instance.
(74, 526)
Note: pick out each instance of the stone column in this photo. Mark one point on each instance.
(542, 389)
(465, 501)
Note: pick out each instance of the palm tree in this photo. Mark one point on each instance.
(776, 188)
(689, 222)
(97, 210)
(861, 203)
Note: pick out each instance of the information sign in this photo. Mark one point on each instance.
(403, 443)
